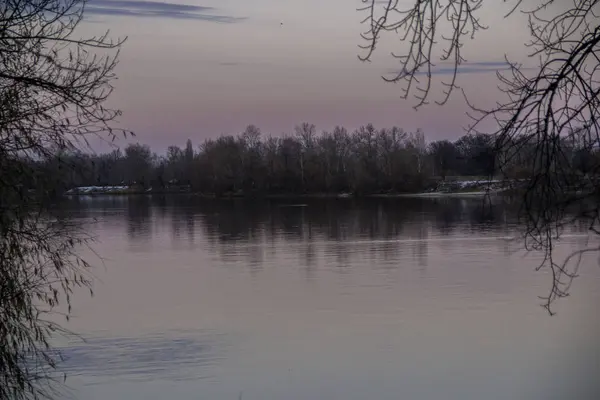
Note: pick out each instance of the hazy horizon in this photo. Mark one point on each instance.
(200, 68)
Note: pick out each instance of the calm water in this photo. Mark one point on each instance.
(328, 299)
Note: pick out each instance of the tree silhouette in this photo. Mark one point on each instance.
(538, 108)
(53, 87)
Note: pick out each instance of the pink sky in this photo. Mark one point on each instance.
(190, 72)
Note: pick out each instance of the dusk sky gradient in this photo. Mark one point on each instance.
(200, 68)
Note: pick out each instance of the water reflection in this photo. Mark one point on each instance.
(329, 298)
(252, 230)
(227, 221)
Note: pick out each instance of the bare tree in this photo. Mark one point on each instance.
(537, 107)
(53, 88)
(444, 155)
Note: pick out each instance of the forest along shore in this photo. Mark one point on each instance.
(365, 162)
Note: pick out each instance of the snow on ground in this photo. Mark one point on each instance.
(92, 189)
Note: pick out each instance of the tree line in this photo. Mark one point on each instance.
(364, 161)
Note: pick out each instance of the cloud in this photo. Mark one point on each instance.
(157, 9)
(465, 68)
(229, 64)
(233, 63)
(385, 2)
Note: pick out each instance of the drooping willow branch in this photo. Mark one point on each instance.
(53, 91)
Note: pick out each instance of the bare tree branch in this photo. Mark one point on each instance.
(551, 111)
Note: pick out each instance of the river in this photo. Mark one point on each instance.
(417, 299)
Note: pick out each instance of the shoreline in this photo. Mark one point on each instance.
(441, 194)
(292, 196)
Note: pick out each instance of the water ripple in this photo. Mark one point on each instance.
(145, 358)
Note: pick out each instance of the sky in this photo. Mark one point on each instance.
(201, 68)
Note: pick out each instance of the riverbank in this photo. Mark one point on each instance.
(290, 195)
(480, 193)
(464, 188)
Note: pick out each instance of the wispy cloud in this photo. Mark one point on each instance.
(477, 67)
(229, 64)
(156, 9)
(239, 63)
(489, 64)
